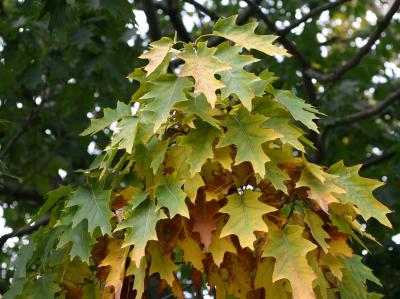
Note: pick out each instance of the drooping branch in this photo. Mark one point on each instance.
(151, 15)
(311, 14)
(26, 230)
(373, 111)
(355, 60)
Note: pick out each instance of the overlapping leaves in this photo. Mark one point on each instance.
(207, 174)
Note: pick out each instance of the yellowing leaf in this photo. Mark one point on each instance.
(140, 225)
(192, 252)
(237, 81)
(315, 224)
(166, 90)
(115, 259)
(202, 65)
(245, 36)
(263, 279)
(322, 193)
(359, 192)
(171, 196)
(157, 53)
(300, 110)
(192, 185)
(245, 216)
(289, 249)
(244, 131)
(161, 262)
(140, 275)
(199, 143)
(93, 205)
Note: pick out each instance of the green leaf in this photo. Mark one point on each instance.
(198, 105)
(41, 287)
(300, 110)
(245, 131)
(52, 198)
(110, 116)
(202, 65)
(158, 154)
(355, 276)
(93, 205)
(245, 36)
(165, 92)
(80, 240)
(126, 136)
(23, 257)
(359, 192)
(289, 249)
(200, 145)
(140, 225)
(237, 81)
(171, 196)
(280, 120)
(245, 217)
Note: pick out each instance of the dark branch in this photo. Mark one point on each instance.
(24, 230)
(291, 47)
(373, 111)
(22, 129)
(151, 15)
(311, 14)
(174, 14)
(13, 191)
(213, 16)
(352, 62)
(375, 160)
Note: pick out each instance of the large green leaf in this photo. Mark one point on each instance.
(245, 131)
(93, 205)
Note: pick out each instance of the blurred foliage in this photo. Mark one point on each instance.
(63, 59)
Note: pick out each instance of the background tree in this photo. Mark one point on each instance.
(61, 60)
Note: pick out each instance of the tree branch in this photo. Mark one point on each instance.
(151, 15)
(175, 16)
(24, 230)
(213, 16)
(292, 48)
(375, 160)
(352, 62)
(373, 111)
(20, 193)
(311, 14)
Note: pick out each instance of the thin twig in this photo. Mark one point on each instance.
(24, 230)
(213, 16)
(373, 111)
(311, 14)
(355, 60)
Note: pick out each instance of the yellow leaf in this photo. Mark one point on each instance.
(263, 279)
(245, 216)
(161, 262)
(115, 259)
